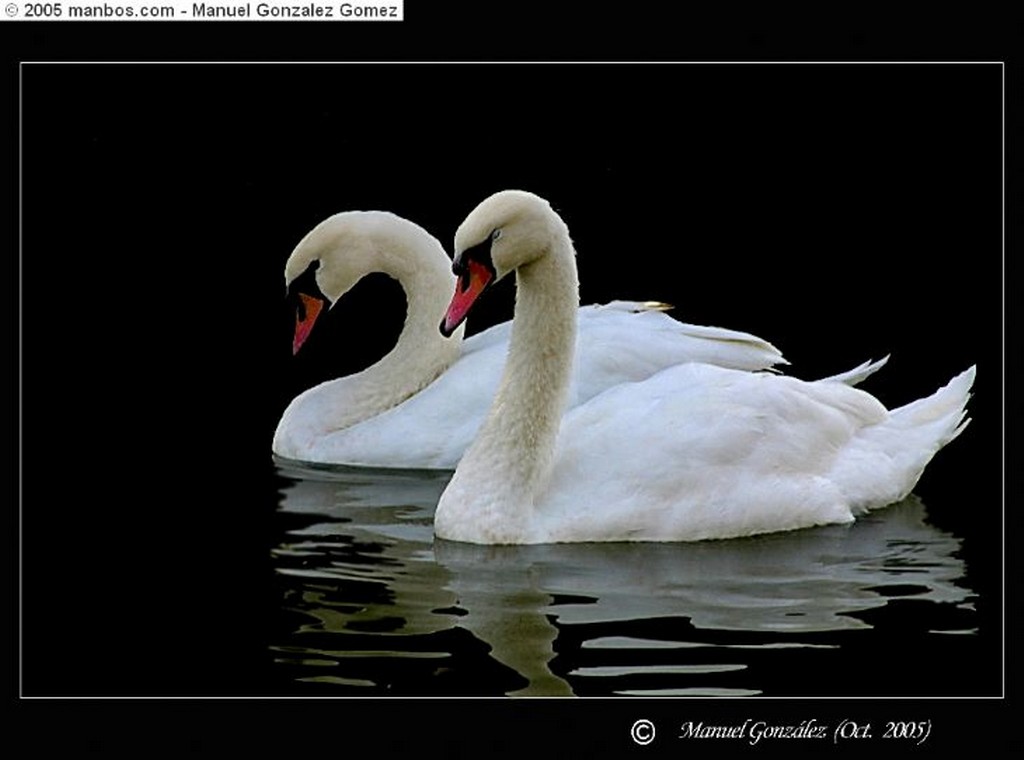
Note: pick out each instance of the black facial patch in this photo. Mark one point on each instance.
(480, 253)
(304, 283)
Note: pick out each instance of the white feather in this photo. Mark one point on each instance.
(695, 451)
(422, 404)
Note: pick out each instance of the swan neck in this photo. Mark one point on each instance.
(420, 344)
(531, 398)
(419, 355)
(491, 497)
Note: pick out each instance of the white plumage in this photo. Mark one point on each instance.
(694, 451)
(421, 405)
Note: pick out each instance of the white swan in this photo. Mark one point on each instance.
(693, 452)
(421, 405)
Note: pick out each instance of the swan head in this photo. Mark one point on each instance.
(507, 231)
(344, 248)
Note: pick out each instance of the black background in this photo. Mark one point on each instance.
(843, 212)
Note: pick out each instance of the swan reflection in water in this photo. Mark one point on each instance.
(383, 607)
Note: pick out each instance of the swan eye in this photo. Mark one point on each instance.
(495, 234)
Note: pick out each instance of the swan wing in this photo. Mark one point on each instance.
(699, 452)
(430, 429)
(627, 341)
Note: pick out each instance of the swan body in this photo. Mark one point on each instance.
(692, 452)
(421, 405)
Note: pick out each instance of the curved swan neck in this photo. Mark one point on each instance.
(378, 242)
(512, 453)
(542, 345)
(421, 353)
(427, 281)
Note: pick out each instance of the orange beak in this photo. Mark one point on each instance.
(472, 282)
(304, 319)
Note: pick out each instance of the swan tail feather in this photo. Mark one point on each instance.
(884, 462)
(944, 412)
(757, 352)
(682, 342)
(858, 374)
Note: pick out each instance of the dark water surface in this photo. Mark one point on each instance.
(371, 604)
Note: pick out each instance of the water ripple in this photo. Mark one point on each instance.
(364, 585)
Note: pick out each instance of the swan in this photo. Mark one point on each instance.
(693, 452)
(422, 403)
